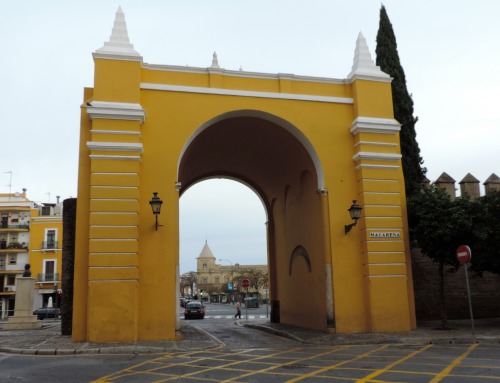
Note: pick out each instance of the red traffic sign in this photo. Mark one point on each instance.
(463, 254)
(245, 283)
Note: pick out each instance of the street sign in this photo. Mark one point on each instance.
(463, 254)
(230, 286)
(245, 283)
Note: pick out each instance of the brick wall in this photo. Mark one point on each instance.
(485, 291)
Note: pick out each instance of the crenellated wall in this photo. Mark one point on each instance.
(485, 290)
(469, 185)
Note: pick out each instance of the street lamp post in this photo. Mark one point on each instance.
(232, 277)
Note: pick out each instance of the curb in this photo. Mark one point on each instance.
(466, 339)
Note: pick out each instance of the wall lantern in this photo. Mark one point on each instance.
(156, 206)
(355, 212)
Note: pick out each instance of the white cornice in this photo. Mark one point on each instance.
(115, 111)
(104, 157)
(374, 143)
(120, 132)
(376, 156)
(116, 146)
(371, 166)
(246, 93)
(245, 74)
(374, 125)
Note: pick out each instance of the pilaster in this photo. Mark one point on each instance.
(377, 162)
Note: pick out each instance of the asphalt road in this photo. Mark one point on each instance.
(248, 355)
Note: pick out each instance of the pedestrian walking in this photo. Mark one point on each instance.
(238, 310)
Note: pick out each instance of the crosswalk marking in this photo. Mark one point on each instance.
(232, 316)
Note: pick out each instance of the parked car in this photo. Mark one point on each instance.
(252, 302)
(47, 312)
(194, 309)
(185, 301)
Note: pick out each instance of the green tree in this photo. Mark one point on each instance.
(485, 244)
(438, 225)
(188, 280)
(388, 60)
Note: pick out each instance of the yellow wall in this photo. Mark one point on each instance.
(126, 279)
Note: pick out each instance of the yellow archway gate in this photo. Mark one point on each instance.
(307, 146)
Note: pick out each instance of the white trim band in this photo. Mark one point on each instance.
(116, 146)
(376, 156)
(104, 157)
(370, 166)
(374, 125)
(115, 111)
(121, 132)
(246, 93)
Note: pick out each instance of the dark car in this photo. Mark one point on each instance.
(185, 301)
(252, 302)
(47, 312)
(194, 310)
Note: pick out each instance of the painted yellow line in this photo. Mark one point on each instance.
(388, 367)
(452, 365)
(275, 366)
(314, 373)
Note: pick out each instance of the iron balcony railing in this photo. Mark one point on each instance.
(50, 244)
(4, 245)
(6, 225)
(48, 277)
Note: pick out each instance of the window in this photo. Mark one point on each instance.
(51, 239)
(205, 280)
(11, 279)
(49, 269)
(217, 280)
(204, 266)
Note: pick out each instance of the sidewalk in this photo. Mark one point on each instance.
(49, 341)
(460, 331)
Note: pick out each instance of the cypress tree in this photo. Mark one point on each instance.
(388, 61)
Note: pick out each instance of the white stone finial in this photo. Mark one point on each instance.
(215, 62)
(119, 44)
(363, 65)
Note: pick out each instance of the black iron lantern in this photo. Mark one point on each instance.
(156, 203)
(355, 213)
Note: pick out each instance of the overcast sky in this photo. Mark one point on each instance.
(448, 49)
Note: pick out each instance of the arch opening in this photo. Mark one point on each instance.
(267, 157)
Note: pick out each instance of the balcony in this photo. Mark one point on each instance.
(14, 226)
(48, 277)
(50, 245)
(13, 247)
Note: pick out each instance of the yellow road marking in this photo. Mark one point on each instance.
(456, 362)
(313, 373)
(395, 363)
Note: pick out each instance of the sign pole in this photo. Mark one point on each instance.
(470, 301)
(464, 255)
(246, 304)
(266, 287)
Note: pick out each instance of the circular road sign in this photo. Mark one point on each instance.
(463, 254)
(245, 283)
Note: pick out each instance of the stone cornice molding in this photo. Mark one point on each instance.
(116, 146)
(115, 111)
(376, 156)
(247, 93)
(374, 125)
(244, 74)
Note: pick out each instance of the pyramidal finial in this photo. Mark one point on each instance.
(119, 44)
(215, 61)
(363, 64)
